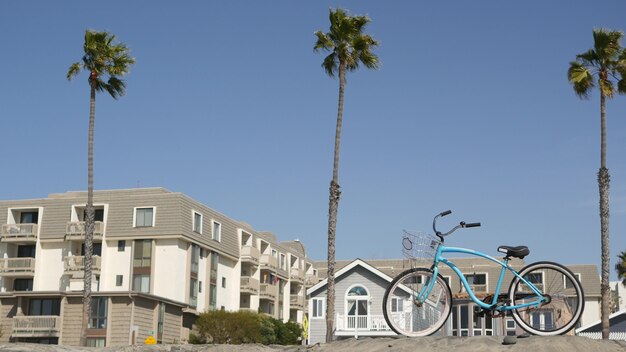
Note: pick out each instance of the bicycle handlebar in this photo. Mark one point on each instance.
(462, 224)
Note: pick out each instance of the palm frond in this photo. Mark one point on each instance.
(73, 71)
(607, 87)
(580, 78)
(115, 87)
(330, 64)
(607, 43)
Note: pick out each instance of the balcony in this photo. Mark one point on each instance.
(17, 266)
(36, 326)
(311, 280)
(297, 276)
(76, 230)
(267, 261)
(362, 325)
(76, 264)
(296, 302)
(250, 254)
(249, 285)
(267, 291)
(19, 232)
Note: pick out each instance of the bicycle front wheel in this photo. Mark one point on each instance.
(564, 299)
(412, 311)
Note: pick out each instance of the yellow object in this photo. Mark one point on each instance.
(150, 341)
(305, 327)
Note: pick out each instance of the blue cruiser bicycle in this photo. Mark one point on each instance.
(544, 298)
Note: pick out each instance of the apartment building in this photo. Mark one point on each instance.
(160, 259)
(360, 286)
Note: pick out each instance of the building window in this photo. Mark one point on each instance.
(144, 217)
(223, 282)
(195, 258)
(212, 296)
(213, 281)
(96, 341)
(478, 282)
(193, 292)
(23, 285)
(318, 308)
(141, 283)
(217, 231)
(98, 318)
(119, 280)
(143, 254)
(282, 262)
(534, 278)
(568, 283)
(161, 320)
(397, 305)
(44, 307)
(26, 251)
(121, 245)
(29, 217)
(197, 222)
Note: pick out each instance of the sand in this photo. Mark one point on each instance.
(402, 344)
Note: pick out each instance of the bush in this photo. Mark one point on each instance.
(235, 328)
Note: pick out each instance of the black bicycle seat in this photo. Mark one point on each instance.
(515, 252)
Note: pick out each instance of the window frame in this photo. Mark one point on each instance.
(473, 285)
(154, 210)
(197, 227)
(216, 236)
(578, 277)
(321, 309)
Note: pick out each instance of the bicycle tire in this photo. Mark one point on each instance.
(408, 318)
(565, 307)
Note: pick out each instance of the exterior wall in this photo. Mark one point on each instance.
(115, 263)
(72, 309)
(119, 321)
(227, 297)
(172, 324)
(53, 279)
(171, 270)
(7, 312)
(592, 311)
(143, 319)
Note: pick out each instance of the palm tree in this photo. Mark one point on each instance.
(102, 59)
(348, 47)
(606, 63)
(620, 267)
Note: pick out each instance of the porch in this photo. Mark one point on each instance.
(362, 325)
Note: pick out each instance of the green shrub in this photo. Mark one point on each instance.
(196, 340)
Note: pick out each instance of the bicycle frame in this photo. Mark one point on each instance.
(493, 305)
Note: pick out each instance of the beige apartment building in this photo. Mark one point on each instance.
(160, 259)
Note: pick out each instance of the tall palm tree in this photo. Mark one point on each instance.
(605, 64)
(620, 267)
(348, 48)
(103, 59)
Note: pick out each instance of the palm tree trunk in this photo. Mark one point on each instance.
(603, 184)
(89, 222)
(333, 205)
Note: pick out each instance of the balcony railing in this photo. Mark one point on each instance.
(76, 263)
(296, 301)
(17, 266)
(250, 254)
(76, 230)
(364, 324)
(267, 291)
(36, 326)
(269, 261)
(311, 280)
(297, 275)
(19, 232)
(249, 285)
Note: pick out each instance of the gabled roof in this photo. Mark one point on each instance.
(347, 268)
(598, 322)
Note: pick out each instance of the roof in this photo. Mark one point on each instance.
(347, 268)
(598, 322)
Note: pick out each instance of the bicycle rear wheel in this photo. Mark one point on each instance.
(565, 299)
(406, 313)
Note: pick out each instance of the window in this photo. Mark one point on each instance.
(217, 231)
(144, 217)
(141, 283)
(193, 292)
(397, 305)
(197, 222)
(212, 296)
(26, 251)
(478, 282)
(98, 215)
(29, 217)
(160, 321)
(98, 318)
(318, 308)
(568, 283)
(282, 262)
(223, 282)
(143, 254)
(534, 278)
(195, 258)
(23, 285)
(96, 341)
(121, 245)
(96, 249)
(44, 307)
(119, 280)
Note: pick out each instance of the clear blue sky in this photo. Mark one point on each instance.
(470, 111)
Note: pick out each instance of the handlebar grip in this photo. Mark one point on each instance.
(447, 212)
(474, 224)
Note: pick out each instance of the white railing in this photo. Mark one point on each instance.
(297, 275)
(35, 326)
(311, 280)
(249, 284)
(250, 253)
(77, 263)
(77, 229)
(17, 265)
(296, 301)
(361, 323)
(19, 232)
